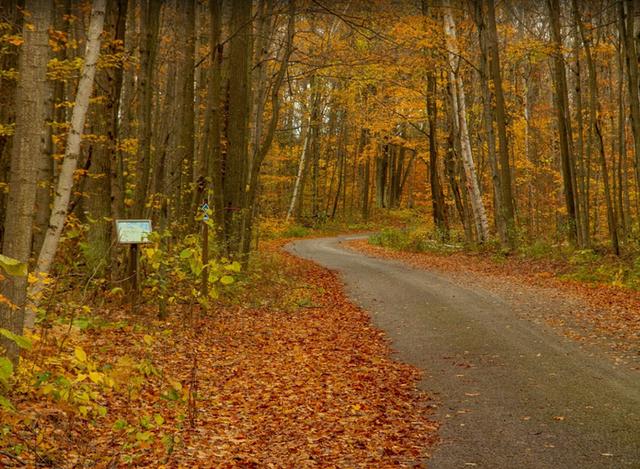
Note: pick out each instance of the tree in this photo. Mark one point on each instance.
(596, 128)
(564, 123)
(72, 150)
(237, 127)
(103, 186)
(507, 212)
(28, 143)
(460, 111)
(627, 9)
(148, 55)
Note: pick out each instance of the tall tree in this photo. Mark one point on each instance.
(437, 194)
(596, 129)
(213, 116)
(564, 122)
(103, 186)
(237, 128)
(148, 54)
(460, 111)
(263, 146)
(627, 26)
(31, 112)
(72, 150)
(507, 211)
(12, 17)
(195, 172)
(488, 118)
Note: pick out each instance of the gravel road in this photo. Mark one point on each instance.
(510, 393)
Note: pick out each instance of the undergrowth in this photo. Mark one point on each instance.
(594, 265)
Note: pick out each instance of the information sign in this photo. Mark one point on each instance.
(133, 231)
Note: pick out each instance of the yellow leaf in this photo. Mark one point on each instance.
(13, 267)
(226, 280)
(95, 377)
(80, 355)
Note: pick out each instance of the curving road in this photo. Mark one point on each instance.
(510, 393)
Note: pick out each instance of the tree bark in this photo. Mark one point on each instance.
(28, 142)
(72, 151)
(148, 54)
(487, 120)
(301, 167)
(8, 61)
(507, 209)
(564, 126)
(626, 23)
(239, 96)
(101, 207)
(596, 127)
(195, 171)
(460, 110)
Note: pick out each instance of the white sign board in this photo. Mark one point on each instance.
(133, 231)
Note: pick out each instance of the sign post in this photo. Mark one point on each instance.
(205, 250)
(133, 233)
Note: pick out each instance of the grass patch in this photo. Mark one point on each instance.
(413, 240)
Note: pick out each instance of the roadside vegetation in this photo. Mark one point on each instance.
(595, 265)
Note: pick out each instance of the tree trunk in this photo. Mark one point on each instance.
(627, 33)
(507, 210)
(382, 163)
(460, 110)
(100, 208)
(301, 168)
(440, 218)
(582, 198)
(251, 187)
(195, 172)
(451, 159)
(437, 195)
(564, 125)
(8, 62)
(596, 127)
(488, 118)
(148, 53)
(72, 151)
(235, 173)
(31, 112)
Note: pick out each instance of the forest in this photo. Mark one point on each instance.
(234, 125)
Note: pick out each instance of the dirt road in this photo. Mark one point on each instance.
(510, 393)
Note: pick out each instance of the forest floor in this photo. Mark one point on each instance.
(508, 390)
(285, 372)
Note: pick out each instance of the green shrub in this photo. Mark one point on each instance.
(390, 238)
(418, 239)
(295, 231)
(537, 250)
(583, 257)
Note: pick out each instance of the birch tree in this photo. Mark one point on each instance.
(460, 110)
(301, 167)
(71, 153)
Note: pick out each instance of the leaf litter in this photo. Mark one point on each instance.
(291, 376)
